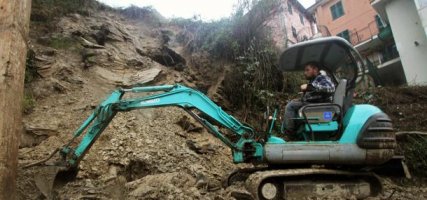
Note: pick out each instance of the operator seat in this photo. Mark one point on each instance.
(324, 117)
(340, 92)
(318, 108)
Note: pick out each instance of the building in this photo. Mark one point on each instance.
(359, 23)
(354, 20)
(408, 22)
(290, 23)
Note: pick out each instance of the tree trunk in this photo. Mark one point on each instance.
(14, 27)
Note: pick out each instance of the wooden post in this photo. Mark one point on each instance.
(14, 28)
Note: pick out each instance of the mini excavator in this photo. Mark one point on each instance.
(338, 141)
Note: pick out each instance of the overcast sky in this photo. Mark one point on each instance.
(207, 9)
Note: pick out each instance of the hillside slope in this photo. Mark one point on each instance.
(142, 154)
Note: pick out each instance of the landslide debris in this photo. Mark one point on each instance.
(143, 154)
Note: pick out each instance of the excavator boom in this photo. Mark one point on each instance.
(245, 148)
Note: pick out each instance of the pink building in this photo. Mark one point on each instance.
(359, 23)
(354, 20)
(290, 23)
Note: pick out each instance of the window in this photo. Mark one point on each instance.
(337, 10)
(345, 34)
(290, 7)
(301, 18)
(380, 23)
(294, 31)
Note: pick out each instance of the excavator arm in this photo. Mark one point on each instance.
(245, 148)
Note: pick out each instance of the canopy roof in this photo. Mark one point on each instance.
(334, 55)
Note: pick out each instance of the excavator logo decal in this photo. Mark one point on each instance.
(327, 115)
(150, 101)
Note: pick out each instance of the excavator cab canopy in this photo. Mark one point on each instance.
(343, 64)
(335, 55)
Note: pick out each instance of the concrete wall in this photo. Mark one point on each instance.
(359, 17)
(281, 25)
(422, 12)
(410, 39)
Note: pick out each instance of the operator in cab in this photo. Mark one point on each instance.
(319, 89)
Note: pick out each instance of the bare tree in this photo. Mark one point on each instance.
(14, 27)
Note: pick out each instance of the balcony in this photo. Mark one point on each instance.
(365, 34)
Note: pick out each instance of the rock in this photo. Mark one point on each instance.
(75, 17)
(89, 44)
(161, 186)
(219, 197)
(59, 87)
(202, 181)
(43, 60)
(164, 56)
(133, 62)
(129, 80)
(77, 33)
(65, 74)
(165, 34)
(110, 32)
(200, 148)
(44, 40)
(189, 125)
(140, 51)
(180, 67)
(241, 195)
(88, 57)
(101, 35)
(48, 51)
(35, 134)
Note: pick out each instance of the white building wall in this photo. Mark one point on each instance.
(422, 12)
(410, 38)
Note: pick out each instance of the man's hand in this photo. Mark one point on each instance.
(303, 87)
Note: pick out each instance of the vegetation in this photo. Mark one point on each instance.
(242, 39)
(48, 10)
(61, 42)
(30, 75)
(30, 67)
(416, 158)
(148, 14)
(28, 103)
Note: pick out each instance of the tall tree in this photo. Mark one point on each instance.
(14, 28)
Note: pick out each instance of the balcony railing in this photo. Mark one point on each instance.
(364, 34)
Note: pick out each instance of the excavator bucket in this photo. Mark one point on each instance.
(47, 178)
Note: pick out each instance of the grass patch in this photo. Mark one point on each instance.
(30, 67)
(28, 103)
(414, 150)
(61, 42)
(48, 10)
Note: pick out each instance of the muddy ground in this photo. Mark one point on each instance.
(151, 153)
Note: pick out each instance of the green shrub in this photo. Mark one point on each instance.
(61, 42)
(148, 14)
(48, 10)
(28, 103)
(414, 151)
(30, 67)
(242, 39)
